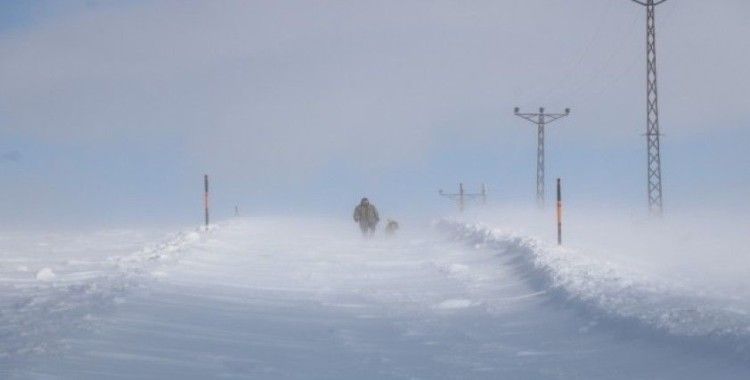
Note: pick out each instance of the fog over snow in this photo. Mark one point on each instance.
(294, 107)
(112, 112)
(308, 298)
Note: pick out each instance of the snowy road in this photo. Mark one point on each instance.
(280, 298)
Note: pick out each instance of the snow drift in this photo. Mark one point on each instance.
(79, 277)
(308, 298)
(621, 295)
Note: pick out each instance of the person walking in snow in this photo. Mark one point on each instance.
(367, 216)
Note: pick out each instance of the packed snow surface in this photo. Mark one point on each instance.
(310, 298)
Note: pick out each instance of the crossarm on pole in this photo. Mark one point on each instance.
(647, 4)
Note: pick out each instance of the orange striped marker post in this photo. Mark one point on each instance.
(559, 213)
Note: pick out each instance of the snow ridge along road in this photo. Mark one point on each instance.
(617, 294)
(309, 298)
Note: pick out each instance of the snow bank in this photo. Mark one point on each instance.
(309, 298)
(51, 284)
(614, 292)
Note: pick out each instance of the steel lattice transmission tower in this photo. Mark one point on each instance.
(655, 204)
(541, 119)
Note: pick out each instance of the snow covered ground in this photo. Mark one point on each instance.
(309, 298)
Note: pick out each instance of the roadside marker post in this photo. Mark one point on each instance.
(559, 213)
(205, 197)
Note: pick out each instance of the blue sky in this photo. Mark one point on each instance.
(117, 109)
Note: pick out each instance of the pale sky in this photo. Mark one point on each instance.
(111, 112)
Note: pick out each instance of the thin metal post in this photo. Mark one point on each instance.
(559, 213)
(205, 196)
(461, 197)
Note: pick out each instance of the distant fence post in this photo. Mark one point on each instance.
(205, 197)
(559, 213)
(461, 197)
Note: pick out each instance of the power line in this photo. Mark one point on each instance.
(601, 71)
(566, 78)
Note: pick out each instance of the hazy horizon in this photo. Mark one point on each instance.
(111, 113)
